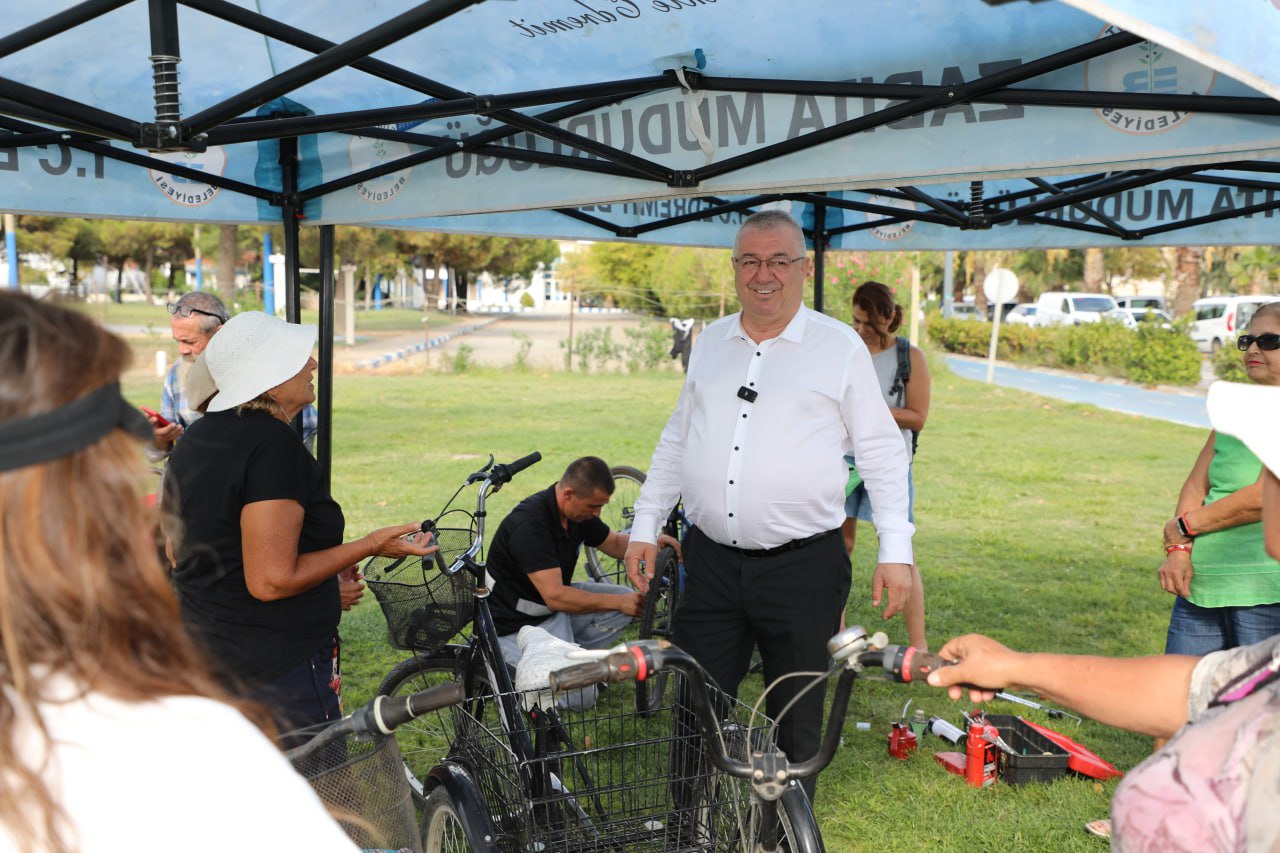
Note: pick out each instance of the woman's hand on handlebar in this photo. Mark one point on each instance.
(397, 542)
(982, 666)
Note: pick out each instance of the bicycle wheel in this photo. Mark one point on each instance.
(619, 513)
(425, 741)
(659, 621)
(442, 830)
(799, 831)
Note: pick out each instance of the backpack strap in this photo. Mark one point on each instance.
(903, 376)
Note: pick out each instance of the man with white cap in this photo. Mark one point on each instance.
(261, 549)
(1212, 786)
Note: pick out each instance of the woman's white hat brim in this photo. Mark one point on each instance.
(251, 353)
(1252, 414)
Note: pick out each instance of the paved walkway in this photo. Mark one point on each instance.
(1180, 406)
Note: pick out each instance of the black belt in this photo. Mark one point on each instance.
(793, 545)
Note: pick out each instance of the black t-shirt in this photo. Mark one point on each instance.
(530, 539)
(224, 461)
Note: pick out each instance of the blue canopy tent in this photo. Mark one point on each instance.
(914, 124)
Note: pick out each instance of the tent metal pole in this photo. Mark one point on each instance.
(289, 213)
(946, 95)
(81, 115)
(59, 23)
(339, 56)
(819, 255)
(324, 382)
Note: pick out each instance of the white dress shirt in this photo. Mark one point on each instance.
(760, 474)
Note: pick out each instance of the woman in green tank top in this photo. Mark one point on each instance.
(1227, 588)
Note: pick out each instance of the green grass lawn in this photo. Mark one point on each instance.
(1038, 523)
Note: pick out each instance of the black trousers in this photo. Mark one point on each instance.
(788, 605)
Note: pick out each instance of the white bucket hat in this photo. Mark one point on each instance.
(1252, 414)
(253, 352)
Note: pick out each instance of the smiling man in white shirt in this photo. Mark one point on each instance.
(775, 396)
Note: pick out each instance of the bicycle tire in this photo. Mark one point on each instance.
(425, 741)
(618, 514)
(800, 832)
(658, 621)
(442, 829)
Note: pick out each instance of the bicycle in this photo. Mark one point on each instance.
(354, 766)
(427, 602)
(779, 816)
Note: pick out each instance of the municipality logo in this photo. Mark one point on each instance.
(1145, 68)
(187, 190)
(890, 230)
(366, 153)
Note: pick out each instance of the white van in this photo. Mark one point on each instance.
(1063, 308)
(1152, 301)
(1219, 320)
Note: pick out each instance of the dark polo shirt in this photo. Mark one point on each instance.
(530, 539)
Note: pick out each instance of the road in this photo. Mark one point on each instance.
(1179, 407)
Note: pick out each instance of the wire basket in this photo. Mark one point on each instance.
(425, 607)
(609, 779)
(361, 780)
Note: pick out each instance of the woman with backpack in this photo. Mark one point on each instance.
(904, 379)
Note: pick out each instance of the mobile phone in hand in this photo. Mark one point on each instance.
(157, 420)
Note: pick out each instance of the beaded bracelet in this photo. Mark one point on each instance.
(1183, 546)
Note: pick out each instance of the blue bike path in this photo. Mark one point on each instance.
(1183, 408)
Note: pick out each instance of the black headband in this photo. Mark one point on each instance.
(68, 428)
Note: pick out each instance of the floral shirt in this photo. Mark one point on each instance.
(1216, 784)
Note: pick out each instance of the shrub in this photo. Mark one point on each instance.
(523, 344)
(1228, 365)
(526, 301)
(1148, 355)
(646, 346)
(464, 358)
(1163, 357)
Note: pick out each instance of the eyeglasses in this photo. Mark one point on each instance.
(1269, 341)
(186, 311)
(778, 264)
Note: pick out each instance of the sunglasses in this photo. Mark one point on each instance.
(1269, 341)
(187, 311)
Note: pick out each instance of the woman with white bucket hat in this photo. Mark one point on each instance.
(260, 546)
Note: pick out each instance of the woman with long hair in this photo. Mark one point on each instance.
(113, 733)
(876, 319)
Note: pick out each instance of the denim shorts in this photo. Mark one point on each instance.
(858, 503)
(1196, 630)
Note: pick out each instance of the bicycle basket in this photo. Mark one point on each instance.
(362, 782)
(609, 779)
(425, 607)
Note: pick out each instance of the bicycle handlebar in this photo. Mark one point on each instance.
(385, 713)
(380, 717)
(639, 660)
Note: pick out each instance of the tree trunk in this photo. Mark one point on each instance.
(227, 251)
(976, 277)
(1186, 276)
(1094, 270)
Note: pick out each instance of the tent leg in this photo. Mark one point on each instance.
(289, 216)
(324, 382)
(819, 255)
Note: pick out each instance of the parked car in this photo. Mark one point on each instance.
(1133, 317)
(1219, 320)
(1063, 308)
(1145, 301)
(1023, 314)
(964, 311)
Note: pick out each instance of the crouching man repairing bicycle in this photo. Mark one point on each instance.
(533, 556)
